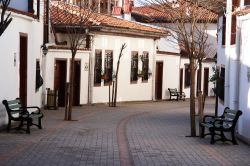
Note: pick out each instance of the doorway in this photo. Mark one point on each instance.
(181, 81)
(23, 49)
(158, 80)
(60, 72)
(198, 81)
(206, 81)
(76, 87)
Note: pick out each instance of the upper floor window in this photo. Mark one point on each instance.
(145, 64)
(134, 66)
(108, 66)
(247, 2)
(224, 30)
(220, 85)
(98, 67)
(187, 75)
(29, 6)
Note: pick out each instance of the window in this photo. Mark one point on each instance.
(221, 83)
(233, 29)
(134, 67)
(108, 69)
(224, 30)
(39, 79)
(187, 75)
(247, 2)
(98, 67)
(145, 64)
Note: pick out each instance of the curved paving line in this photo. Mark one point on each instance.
(34, 139)
(125, 155)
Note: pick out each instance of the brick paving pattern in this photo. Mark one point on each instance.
(147, 133)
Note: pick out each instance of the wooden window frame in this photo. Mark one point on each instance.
(98, 68)
(134, 67)
(145, 66)
(108, 67)
(187, 76)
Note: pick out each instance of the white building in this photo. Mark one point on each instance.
(20, 46)
(169, 58)
(100, 56)
(234, 62)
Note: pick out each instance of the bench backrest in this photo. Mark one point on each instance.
(12, 106)
(231, 117)
(173, 91)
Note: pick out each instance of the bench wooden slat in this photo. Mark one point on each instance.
(15, 106)
(18, 113)
(224, 123)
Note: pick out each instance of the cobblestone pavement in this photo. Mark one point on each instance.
(147, 133)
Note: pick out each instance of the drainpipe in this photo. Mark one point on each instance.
(228, 52)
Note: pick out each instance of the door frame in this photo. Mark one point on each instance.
(78, 60)
(181, 80)
(23, 91)
(156, 81)
(206, 81)
(66, 66)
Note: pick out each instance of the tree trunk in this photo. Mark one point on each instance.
(71, 86)
(192, 98)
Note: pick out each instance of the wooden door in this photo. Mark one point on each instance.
(206, 81)
(158, 80)
(198, 81)
(60, 80)
(76, 90)
(23, 69)
(181, 81)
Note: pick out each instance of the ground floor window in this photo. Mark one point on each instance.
(134, 66)
(39, 80)
(108, 66)
(145, 63)
(98, 67)
(187, 75)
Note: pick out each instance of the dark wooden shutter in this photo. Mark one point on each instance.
(247, 2)
(224, 30)
(30, 6)
(233, 29)
(145, 64)
(98, 67)
(134, 66)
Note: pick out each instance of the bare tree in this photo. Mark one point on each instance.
(5, 20)
(75, 22)
(187, 22)
(116, 75)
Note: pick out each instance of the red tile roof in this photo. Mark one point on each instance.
(66, 14)
(160, 13)
(243, 11)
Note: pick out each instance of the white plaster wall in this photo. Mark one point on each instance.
(171, 72)
(52, 56)
(244, 83)
(209, 65)
(126, 91)
(9, 44)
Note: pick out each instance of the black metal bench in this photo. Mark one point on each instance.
(175, 93)
(17, 112)
(218, 125)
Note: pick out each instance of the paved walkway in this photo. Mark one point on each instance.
(149, 133)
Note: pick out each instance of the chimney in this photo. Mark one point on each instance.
(127, 8)
(117, 12)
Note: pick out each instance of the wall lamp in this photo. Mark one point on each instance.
(44, 49)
